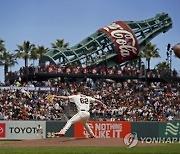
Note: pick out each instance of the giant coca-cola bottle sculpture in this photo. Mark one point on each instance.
(114, 44)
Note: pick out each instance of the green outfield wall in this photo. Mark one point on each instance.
(20, 130)
(145, 129)
(55, 126)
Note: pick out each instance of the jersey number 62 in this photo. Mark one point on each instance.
(84, 100)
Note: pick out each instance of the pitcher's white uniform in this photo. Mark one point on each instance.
(83, 104)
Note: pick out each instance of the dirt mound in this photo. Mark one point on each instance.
(96, 142)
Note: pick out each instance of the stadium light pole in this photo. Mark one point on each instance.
(169, 57)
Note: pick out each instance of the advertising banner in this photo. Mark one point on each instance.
(19, 130)
(169, 129)
(28, 88)
(2, 130)
(104, 129)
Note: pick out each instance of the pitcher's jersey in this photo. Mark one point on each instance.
(82, 102)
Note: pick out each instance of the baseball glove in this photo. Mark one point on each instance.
(50, 98)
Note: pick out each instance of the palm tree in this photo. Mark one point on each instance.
(33, 55)
(59, 44)
(7, 59)
(150, 51)
(24, 51)
(38, 53)
(12, 60)
(162, 67)
(2, 46)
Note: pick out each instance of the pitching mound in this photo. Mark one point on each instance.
(95, 142)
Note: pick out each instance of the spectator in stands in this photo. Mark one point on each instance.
(129, 100)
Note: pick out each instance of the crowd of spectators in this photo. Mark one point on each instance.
(131, 100)
(17, 105)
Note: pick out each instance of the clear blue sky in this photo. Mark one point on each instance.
(43, 21)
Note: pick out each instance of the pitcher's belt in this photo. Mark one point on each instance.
(84, 110)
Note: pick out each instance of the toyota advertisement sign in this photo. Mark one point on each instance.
(22, 129)
(2, 130)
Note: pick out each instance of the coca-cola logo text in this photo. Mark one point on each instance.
(124, 40)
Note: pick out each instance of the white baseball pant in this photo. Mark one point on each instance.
(81, 116)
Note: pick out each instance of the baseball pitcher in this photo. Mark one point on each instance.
(83, 104)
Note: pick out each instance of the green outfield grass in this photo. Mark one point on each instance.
(165, 149)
